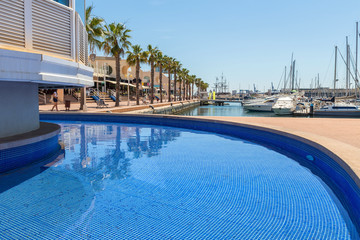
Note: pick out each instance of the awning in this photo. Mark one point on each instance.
(121, 83)
(98, 81)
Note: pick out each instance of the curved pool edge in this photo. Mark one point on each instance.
(24, 149)
(306, 151)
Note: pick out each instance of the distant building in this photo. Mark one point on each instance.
(126, 72)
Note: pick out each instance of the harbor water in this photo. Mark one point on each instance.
(230, 110)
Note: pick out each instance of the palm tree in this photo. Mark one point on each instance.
(204, 86)
(191, 82)
(186, 76)
(94, 29)
(180, 75)
(160, 61)
(176, 68)
(116, 42)
(152, 53)
(168, 66)
(135, 58)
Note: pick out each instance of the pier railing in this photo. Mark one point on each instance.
(43, 26)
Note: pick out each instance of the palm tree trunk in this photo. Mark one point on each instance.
(152, 83)
(137, 82)
(117, 100)
(175, 85)
(180, 89)
(192, 91)
(184, 89)
(160, 79)
(169, 85)
(189, 90)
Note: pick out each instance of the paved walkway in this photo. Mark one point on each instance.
(92, 107)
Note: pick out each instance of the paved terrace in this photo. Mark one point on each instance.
(340, 136)
(123, 108)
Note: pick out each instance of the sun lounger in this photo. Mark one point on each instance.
(101, 104)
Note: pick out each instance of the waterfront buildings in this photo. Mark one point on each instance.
(105, 66)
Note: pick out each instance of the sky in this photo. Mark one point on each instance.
(249, 41)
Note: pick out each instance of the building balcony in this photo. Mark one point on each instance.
(44, 27)
(43, 42)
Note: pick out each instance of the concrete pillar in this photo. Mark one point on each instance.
(61, 96)
(19, 108)
(83, 100)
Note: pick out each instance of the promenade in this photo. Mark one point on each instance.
(123, 108)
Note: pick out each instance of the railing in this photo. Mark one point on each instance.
(43, 26)
(94, 92)
(112, 93)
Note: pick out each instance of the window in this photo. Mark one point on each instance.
(64, 2)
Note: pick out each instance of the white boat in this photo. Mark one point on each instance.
(339, 110)
(284, 106)
(260, 106)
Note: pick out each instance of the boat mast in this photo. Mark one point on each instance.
(291, 71)
(335, 71)
(318, 83)
(293, 76)
(285, 80)
(347, 67)
(356, 57)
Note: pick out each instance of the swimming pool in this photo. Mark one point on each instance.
(122, 180)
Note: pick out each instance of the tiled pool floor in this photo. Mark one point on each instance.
(130, 181)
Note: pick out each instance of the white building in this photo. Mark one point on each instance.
(43, 43)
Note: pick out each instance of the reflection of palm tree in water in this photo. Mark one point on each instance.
(115, 164)
(112, 166)
(151, 147)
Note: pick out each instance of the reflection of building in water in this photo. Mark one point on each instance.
(105, 151)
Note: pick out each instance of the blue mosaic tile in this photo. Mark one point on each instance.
(125, 181)
(18, 157)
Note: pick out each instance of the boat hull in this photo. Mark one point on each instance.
(337, 113)
(283, 111)
(258, 108)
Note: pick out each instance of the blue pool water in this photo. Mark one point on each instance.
(150, 182)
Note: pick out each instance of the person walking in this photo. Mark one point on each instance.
(55, 100)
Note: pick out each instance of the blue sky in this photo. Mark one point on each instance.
(250, 41)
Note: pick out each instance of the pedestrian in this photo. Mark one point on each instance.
(55, 100)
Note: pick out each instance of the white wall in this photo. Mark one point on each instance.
(19, 108)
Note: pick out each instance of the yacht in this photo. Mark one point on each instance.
(284, 106)
(339, 110)
(260, 106)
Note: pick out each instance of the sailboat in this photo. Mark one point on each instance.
(342, 109)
